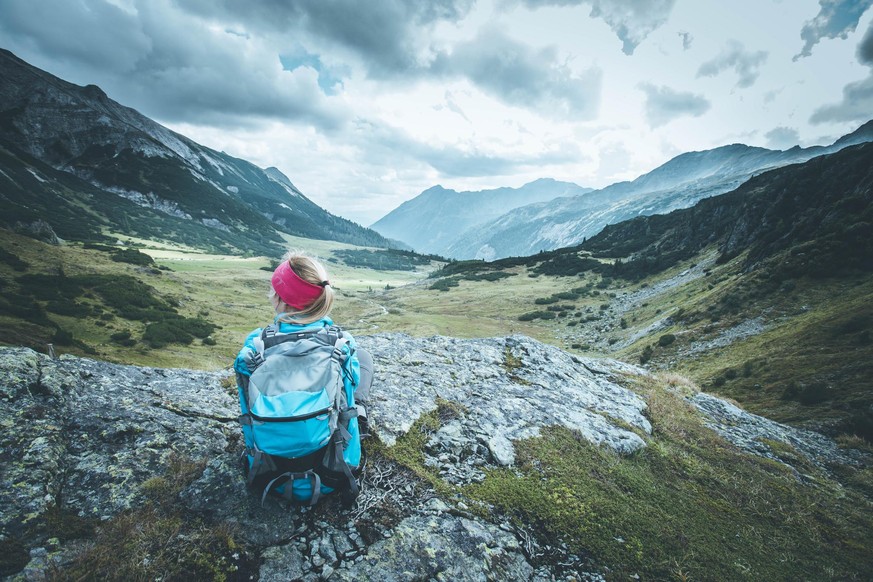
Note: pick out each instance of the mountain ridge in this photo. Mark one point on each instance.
(431, 221)
(229, 204)
(678, 183)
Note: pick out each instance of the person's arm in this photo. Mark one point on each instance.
(244, 357)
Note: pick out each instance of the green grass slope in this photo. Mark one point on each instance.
(158, 304)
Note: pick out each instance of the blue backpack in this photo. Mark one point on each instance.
(299, 418)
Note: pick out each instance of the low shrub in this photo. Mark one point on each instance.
(62, 337)
(666, 339)
(647, 354)
(536, 315)
(444, 284)
(133, 257)
(546, 300)
(68, 308)
(12, 260)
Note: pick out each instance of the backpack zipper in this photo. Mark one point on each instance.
(301, 417)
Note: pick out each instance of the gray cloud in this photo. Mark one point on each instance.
(780, 138)
(386, 36)
(630, 20)
(735, 56)
(102, 36)
(865, 49)
(664, 104)
(523, 76)
(857, 103)
(835, 19)
(386, 142)
(168, 64)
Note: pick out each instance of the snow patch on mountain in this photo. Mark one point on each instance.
(150, 150)
(219, 167)
(288, 190)
(36, 175)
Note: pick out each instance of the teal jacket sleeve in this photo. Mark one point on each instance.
(242, 364)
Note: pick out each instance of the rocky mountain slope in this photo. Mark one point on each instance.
(679, 183)
(432, 221)
(113, 471)
(822, 209)
(83, 163)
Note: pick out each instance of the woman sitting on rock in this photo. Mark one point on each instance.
(301, 382)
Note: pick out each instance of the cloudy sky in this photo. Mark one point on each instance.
(365, 104)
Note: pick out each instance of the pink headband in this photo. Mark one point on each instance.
(293, 290)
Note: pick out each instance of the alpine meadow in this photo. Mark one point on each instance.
(617, 289)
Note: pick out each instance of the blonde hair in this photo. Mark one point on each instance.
(311, 270)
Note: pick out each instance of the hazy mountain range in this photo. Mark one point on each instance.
(432, 221)
(567, 220)
(86, 165)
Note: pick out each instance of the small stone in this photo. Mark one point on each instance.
(326, 548)
(281, 563)
(436, 505)
(341, 544)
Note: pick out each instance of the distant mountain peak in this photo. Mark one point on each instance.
(860, 135)
(438, 188)
(94, 92)
(434, 219)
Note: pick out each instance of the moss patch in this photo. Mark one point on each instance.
(162, 541)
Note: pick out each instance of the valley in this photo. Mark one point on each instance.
(796, 355)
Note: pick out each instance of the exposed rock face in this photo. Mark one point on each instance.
(40, 230)
(83, 436)
(87, 433)
(750, 433)
(454, 547)
(507, 388)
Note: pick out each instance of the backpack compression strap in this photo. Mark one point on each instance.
(288, 479)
